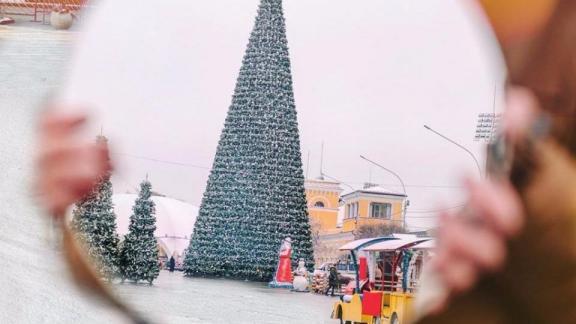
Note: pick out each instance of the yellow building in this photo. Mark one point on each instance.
(323, 201)
(372, 206)
(334, 218)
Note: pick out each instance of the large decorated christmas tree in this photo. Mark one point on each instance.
(139, 253)
(255, 192)
(94, 221)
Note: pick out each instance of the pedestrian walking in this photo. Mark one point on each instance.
(171, 264)
(332, 280)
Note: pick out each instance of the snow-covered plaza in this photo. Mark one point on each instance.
(176, 299)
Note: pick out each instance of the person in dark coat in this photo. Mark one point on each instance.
(171, 264)
(332, 280)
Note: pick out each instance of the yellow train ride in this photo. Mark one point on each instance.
(387, 276)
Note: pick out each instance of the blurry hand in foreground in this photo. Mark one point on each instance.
(67, 169)
(469, 248)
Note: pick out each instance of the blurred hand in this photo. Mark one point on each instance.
(470, 246)
(67, 169)
(467, 248)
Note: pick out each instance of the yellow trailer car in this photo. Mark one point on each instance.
(386, 294)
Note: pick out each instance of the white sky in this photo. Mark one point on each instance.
(367, 76)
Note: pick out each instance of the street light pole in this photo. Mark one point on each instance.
(459, 145)
(404, 203)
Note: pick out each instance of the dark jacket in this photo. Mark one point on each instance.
(333, 277)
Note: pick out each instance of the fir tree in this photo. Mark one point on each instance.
(255, 192)
(95, 223)
(139, 254)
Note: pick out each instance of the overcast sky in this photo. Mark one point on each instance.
(367, 76)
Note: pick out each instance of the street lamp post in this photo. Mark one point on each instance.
(404, 203)
(459, 145)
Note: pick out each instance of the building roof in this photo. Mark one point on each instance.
(426, 245)
(174, 220)
(377, 190)
(320, 184)
(388, 243)
(357, 244)
(392, 245)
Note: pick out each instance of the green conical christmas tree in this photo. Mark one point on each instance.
(95, 223)
(139, 254)
(255, 192)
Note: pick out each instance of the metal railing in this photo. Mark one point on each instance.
(396, 285)
(39, 9)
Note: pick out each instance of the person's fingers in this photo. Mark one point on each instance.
(521, 110)
(498, 205)
(60, 152)
(69, 174)
(470, 246)
(87, 165)
(442, 256)
(483, 248)
(438, 305)
(63, 153)
(67, 170)
(57, 124)
(460, 276)
(463, 254)
(58, 191)
(56, 203)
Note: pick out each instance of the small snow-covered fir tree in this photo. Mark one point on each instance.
(94, 221)
(139, 254)
(255, 192)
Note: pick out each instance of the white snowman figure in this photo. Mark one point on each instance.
(300, 282)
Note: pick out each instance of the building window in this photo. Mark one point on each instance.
(380, 210)
(319, 204)
(352, 210)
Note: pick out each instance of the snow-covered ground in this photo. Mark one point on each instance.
(177, 299)
(33, 280)
(34, 285)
